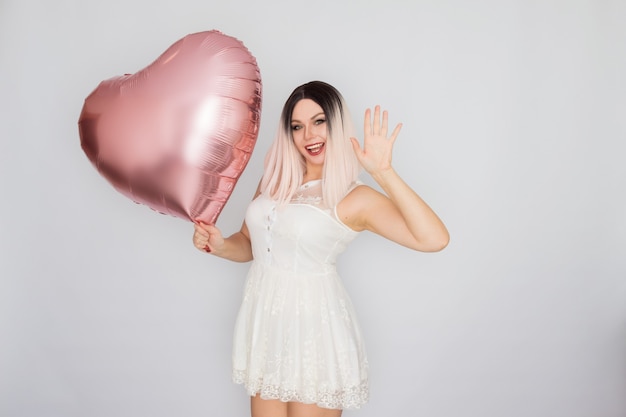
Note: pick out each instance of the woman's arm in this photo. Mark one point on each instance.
(236, 247)
(402, 215)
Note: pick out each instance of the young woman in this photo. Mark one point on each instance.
(297, 345)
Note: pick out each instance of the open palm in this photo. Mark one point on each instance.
(375, 156)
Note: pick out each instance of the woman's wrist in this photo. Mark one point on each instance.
(383, 176)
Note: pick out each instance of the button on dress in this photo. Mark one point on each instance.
(296, 335)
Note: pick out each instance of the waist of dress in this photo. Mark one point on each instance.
(294, 269)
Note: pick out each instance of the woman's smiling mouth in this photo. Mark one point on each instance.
(315, 149)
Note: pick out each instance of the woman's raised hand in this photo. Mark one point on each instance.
(375, 156)
(206, 237)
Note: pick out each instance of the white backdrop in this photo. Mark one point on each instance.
(514, 130)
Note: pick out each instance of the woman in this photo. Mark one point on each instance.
(297, 345)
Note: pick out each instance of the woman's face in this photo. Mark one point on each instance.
(309, 130)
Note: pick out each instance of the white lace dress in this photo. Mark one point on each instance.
(296, 335)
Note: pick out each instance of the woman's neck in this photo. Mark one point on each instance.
(312, 174)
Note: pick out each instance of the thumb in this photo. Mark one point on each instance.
(356, 146)
(199, 224)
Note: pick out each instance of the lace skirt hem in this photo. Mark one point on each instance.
(347, 398)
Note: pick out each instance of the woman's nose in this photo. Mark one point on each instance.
(309, 132)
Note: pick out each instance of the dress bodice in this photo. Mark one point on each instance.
(301, 236)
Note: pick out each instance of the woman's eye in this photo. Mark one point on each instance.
(296, 127)
(320, 121)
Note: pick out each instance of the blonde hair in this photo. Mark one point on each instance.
(284, 166)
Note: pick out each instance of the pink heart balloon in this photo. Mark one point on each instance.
(177, 135)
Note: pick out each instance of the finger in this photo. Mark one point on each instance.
(212, 229)
(209, 228)
(367, 124)
(385, 125)
(356, 146)
(199, 241)
(198, 223)
(199, 230)
(395, 133)
(377, 120)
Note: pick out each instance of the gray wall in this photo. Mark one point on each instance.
(514, 132)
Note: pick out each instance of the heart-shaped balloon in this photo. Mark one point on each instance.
(177, 135)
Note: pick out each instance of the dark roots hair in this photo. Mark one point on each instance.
(327, 96)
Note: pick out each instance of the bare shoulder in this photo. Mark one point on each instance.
(362, 193)
(353, 209)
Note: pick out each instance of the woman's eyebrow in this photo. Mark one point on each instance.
(313, 117)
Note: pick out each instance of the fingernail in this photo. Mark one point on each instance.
(207, 249)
